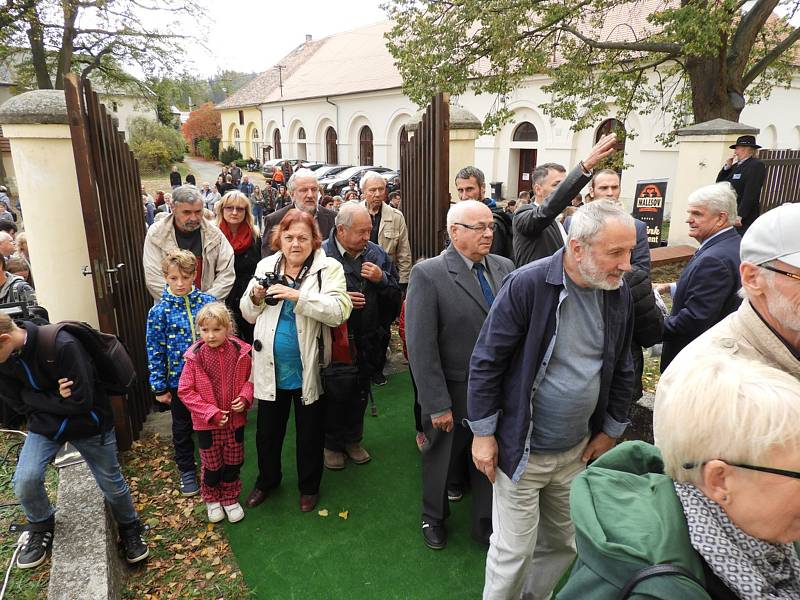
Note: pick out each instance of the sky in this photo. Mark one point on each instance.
(244, 34)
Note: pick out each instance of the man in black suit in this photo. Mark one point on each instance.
(537, 232)
(448, 299)
(707, 289)
(746, 174)
(304, 191)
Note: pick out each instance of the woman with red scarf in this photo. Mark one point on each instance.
(235, 220)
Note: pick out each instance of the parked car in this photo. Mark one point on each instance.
(271, 165)
(392, 181)
(334, 184)
(330, 170)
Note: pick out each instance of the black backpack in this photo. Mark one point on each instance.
(115, 369)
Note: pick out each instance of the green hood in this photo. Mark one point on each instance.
(627, 517)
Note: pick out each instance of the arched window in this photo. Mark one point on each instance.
(256, 144)
(301, 145)
(276, 143)
(525, 132)
(237, 142)
(615, 160)
(365, 155)
(331, 149)
(402, 141)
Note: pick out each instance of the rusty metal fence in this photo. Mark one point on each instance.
(782, 183)
(424, 174)
(109, 185)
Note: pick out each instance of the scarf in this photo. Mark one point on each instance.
(243, 239)
(751, 568)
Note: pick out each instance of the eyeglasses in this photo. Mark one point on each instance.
(234, 208)
(784, 472)
(479, 227)
(782, 272)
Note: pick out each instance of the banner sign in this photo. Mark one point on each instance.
(648, 207)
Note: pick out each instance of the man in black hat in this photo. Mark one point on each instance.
(746, 174)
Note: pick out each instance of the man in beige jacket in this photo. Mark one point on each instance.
(186, 229)
(388, 224)
(766, 327)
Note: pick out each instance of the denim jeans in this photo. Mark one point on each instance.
(100, 454)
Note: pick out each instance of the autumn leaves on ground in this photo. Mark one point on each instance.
(189, 557)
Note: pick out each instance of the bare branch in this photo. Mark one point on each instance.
(771, 56)
(641, 46)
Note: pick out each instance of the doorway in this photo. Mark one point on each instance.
(527, 163)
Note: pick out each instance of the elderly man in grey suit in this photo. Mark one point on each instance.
(448, 299)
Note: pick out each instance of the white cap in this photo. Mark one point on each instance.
(775, 235)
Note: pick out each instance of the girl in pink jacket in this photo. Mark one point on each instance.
(215, 386)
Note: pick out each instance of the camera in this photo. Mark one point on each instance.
(268, 280)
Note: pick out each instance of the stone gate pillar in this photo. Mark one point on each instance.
(464, 130)
(41, 147)
(702, 150)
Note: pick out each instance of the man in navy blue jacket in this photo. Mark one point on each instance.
(550, 386)
(707, 289)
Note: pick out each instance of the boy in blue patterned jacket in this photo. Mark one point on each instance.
(170, 331)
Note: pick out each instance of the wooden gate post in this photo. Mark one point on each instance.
(36, 124)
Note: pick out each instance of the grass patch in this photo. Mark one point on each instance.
(189, 557)
(155, 182)
(24, 584)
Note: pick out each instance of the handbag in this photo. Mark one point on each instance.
(340, 379)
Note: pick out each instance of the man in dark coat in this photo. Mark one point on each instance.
(537, 233)
(746, 174)
(471, 185)
(373, 285)
(446, 306)
(707, 289)
(304, 191)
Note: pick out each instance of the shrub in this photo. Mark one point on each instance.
(229, 154)
(241, 163)
(142, 129)
(204, 148)
(153, 156)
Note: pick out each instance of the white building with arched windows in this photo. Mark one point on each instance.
(340, 100)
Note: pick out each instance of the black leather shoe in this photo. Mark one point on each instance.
(454, 494)
(435, 536)
(255, 498)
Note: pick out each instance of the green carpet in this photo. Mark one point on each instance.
(378, 551)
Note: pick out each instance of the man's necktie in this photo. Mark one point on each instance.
(485, 287)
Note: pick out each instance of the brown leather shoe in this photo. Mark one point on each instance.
(357, 454)
(334, 460)
(255, 498)
(308, 502)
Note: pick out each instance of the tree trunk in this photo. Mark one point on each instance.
(711, 99)
(67, 43)
(38, 53)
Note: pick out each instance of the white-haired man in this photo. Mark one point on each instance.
(390, 233)
(707, 289)
(556, 344)
(185, 228)
(304, 192)
(448, 299)
(766, 327)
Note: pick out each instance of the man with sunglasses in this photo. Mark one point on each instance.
(766, 327)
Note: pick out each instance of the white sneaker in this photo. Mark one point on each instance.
(215, 512)
(235, 512)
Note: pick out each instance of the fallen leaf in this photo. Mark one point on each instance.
(216, 561)
(209, 575)
(180, 556)
(152, 522)
(344, 514)
(323, 512)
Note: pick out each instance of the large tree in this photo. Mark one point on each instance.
(694, 59)
(204, 123)
(46, 39)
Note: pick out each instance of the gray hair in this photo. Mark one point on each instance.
(347, 211)
(543, 170)
(718, 198)
(299, 174)
(456, 212)
(188, 194)
(369, 175)
(716, 394)
(475, 172)
(590, 219)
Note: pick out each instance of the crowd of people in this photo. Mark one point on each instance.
(524, 340)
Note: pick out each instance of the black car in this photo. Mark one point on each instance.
(334, 185)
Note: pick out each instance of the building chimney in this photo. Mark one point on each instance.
(308, 38)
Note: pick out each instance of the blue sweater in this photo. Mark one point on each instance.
(170, 332)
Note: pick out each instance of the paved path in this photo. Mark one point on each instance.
(209, 170)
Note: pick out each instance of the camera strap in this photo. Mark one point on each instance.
(296, 281)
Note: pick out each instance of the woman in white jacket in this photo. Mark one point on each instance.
(289, 320)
